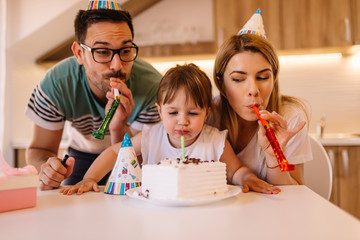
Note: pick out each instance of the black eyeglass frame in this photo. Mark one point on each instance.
(114, 51)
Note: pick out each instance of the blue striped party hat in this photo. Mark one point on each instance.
(94, 5)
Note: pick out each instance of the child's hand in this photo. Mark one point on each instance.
(257, 185)
(83, 186)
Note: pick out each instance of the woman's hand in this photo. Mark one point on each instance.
(279, 125)
(85, 185)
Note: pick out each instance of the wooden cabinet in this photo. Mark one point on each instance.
(289, 25)
(293, 24)
(19, 154)
(346, 181)
(184, 49)
(355, 21)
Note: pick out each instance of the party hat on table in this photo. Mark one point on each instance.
(94, 5)
(126, 173)
(254, 25)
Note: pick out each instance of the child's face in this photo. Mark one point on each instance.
(181, 118)
(248, 81)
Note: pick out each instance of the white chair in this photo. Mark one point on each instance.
(318, 174)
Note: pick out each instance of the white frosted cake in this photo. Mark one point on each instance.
(172, 179)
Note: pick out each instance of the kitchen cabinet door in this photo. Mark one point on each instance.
(294, 24)
(355, 21)
(316, 24)
(333, 155)
(348, 175)
(346, 181)
(20, 161)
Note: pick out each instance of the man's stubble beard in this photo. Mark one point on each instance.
(104, 83)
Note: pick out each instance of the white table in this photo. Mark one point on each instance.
(296, 213)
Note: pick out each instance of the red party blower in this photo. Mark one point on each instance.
(283, 163)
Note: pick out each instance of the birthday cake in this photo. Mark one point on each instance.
(175, 179)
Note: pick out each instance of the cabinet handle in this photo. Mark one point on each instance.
(345, 161)
(332, 158)
(347, 30)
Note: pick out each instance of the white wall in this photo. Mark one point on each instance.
(30, 28)
(5, 140)
(27, 16)
(331, 86)
(26, 74)
(37, 26)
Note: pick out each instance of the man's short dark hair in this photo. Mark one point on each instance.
(84, 19)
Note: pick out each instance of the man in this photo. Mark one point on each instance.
(79, 89)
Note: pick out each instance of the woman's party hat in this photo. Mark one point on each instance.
(254, 25)
(94, 5)
(126, 173)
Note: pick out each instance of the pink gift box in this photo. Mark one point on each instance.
(17, 192)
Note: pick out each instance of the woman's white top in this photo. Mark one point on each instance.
(155, 145)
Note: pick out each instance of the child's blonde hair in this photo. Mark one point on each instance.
(195, 82)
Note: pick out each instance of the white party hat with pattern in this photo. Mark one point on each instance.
(126, 173)
(254, 25)
(94, 5)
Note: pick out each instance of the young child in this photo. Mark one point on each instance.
(184, 101)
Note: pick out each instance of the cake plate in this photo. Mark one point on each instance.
(135, 193)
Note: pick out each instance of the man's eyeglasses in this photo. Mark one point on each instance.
(105, 55)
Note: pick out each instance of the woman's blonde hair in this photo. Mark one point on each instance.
(195, 82)
(238, 44)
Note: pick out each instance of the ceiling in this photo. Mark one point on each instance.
(63, 50)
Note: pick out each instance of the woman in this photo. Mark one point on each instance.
(246, 74)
